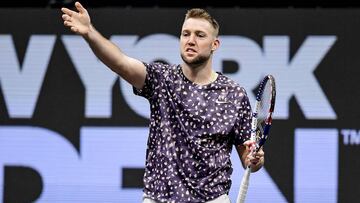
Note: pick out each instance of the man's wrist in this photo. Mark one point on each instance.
(90, 33)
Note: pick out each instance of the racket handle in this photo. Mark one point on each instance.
(244, 186)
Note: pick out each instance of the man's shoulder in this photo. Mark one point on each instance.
(163, 71)
(235, 86)
(158, 64)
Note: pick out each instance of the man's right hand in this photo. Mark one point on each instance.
(78, 22)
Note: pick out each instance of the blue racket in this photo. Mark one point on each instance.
(260, 125)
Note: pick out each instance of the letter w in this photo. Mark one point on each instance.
(21, 86)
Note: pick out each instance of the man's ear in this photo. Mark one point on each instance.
(216, 44)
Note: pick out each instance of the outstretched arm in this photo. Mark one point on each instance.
(255, 162)
(130, 69)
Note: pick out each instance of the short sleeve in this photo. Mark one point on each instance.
(242, 127)
(152, 79)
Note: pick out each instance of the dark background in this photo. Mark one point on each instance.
(185, 3)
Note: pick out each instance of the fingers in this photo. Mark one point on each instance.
(249, 143)
(66, 17)
(256, 156)
(254, 160)
(67, 20)
(260, 152)
(72, 19)
(68, 24)
(68, 11)
(80, 8)
(74, 29)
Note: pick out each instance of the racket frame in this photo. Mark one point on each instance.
(254, 126)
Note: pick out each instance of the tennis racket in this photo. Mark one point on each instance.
(260, 125)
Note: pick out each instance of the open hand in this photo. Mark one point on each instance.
(78, 22)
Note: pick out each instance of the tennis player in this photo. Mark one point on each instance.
(197, 114)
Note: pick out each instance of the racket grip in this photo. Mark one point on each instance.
(244, 186)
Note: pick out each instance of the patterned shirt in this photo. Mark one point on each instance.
(192, 130)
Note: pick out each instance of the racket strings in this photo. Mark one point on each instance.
(263, 110)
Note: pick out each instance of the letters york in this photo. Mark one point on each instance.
(21, 86)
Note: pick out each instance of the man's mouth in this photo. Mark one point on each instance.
(190, 50)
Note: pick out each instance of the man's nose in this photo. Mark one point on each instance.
(191, 40)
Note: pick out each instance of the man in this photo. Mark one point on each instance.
(197, 114)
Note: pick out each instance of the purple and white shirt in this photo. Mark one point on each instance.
(192, 130)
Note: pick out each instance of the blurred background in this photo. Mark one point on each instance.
(72, 131)
(185, 3)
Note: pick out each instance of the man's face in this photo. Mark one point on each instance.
(197, 41)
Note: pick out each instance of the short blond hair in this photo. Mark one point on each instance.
(202, 14)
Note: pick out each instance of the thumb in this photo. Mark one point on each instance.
(79, 7)
(250, 145)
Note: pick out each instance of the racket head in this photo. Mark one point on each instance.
(264, 108)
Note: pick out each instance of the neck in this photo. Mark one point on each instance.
(202, 74)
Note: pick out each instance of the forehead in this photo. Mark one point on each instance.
(197, 24)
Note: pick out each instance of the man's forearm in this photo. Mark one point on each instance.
(105, 50)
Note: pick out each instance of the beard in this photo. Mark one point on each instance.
(197, 61)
